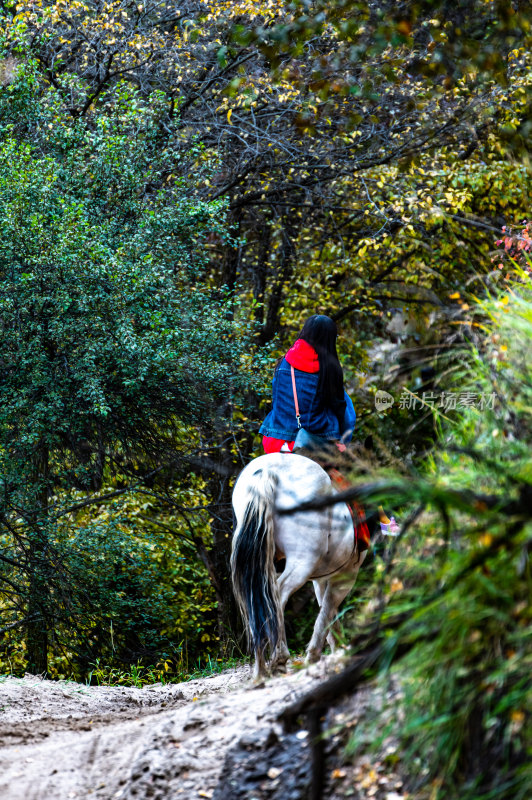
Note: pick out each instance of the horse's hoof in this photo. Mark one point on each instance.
(312, 657)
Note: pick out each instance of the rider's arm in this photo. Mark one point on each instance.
(346, 429)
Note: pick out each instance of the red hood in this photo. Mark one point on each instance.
(303, 356)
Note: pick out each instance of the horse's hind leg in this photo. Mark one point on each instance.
(281, 654)
(333, 594)
(290, 580)
(334, 629)
(259, 667)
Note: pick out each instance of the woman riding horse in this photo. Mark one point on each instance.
(326, 545)
(311, 372)
(308, 394)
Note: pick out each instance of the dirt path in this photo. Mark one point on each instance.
(64, 740)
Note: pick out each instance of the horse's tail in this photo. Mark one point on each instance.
(253, 563)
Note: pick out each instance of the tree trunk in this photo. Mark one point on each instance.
(284, 272)
(229, 622)
(36, 635)
(38, 595)
(220, 489)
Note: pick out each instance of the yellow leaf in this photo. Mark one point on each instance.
(338, 773)
(229, 116)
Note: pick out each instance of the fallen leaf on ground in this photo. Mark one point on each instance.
(339, 773)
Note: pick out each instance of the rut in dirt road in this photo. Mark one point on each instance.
(62, 740)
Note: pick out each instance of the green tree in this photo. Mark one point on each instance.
(108, 343)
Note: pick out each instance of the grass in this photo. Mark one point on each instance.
(165, 672)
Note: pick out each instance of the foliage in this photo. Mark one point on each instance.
(108, 343)
(123, 593)
(359, 145)
(165, 672)
(515, 247)
(455, 595)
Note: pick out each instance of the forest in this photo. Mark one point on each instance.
(182, 184)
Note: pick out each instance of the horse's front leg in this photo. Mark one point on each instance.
(334, 628)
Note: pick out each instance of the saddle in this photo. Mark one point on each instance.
(362, 535)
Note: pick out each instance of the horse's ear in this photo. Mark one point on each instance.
(368, 443)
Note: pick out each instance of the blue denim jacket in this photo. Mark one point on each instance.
(281, 422)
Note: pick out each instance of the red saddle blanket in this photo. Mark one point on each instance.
(357, 512)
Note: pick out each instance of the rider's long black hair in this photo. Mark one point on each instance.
(321, 332)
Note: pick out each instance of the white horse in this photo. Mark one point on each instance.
(318, 545)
